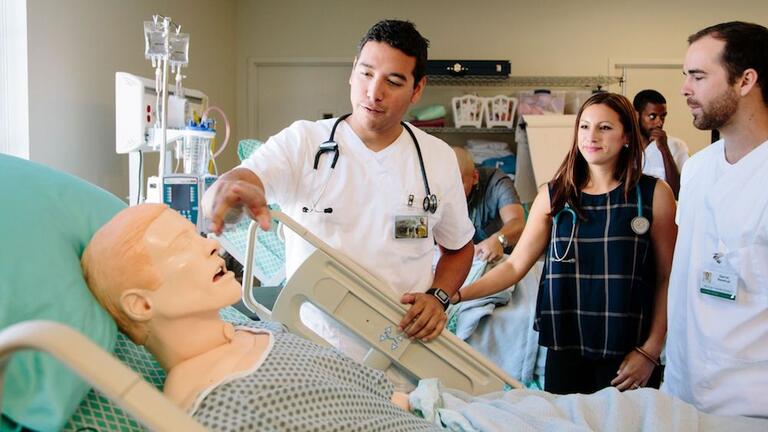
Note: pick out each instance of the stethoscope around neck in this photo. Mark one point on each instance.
(639, 224)
(430, 200)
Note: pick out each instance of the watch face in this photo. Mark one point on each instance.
(442, 296)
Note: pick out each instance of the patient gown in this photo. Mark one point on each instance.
(301, 386)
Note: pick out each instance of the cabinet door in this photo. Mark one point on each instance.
(280, 93)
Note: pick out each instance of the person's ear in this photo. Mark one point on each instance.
(418, 89)
(136, 305)
(354, 64)
(475, 177)
(747, 82)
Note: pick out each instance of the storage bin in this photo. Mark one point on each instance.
(541, 101)
(467, 110)
(500, 111)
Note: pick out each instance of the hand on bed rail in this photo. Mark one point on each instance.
(425, 318)
(235, 192)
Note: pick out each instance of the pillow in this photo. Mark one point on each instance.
(47, 218)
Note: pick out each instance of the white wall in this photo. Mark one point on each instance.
(14, 103)
(543, 37)
(75, 48)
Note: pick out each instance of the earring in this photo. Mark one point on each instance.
(626, 145)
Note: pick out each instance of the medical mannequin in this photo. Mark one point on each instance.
(164, 285)
(608, 233)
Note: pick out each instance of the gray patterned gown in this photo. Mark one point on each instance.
(303, 387)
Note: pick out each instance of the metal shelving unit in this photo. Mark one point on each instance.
(467, 130)
(591, 82)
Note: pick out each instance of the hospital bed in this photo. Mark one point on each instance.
(363, 304)
(138, 393)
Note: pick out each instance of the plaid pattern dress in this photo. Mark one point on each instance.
(599, 299)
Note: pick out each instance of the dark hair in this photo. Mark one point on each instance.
(573, 173)
(645, 97)
(401, 35)
(746, 46)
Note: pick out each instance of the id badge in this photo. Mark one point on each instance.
(718, 283)
(411, 226)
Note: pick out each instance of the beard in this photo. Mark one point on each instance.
(717, 112)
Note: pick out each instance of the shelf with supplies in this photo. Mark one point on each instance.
(466, 130)
(590, 82)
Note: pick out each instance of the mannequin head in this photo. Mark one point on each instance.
(149, 267)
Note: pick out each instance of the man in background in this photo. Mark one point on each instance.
(494, 207)
(664, 155)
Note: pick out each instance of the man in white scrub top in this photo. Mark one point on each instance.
(367, 199)
(717, 344)
(664, 155)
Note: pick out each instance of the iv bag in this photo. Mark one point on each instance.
(179, 55)
(154, 42)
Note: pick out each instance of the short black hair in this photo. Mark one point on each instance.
(746, 46)
(645, 97)
(401, 35)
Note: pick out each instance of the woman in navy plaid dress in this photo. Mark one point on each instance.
(608, 233)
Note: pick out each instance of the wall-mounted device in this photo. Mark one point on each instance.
(489, 68)
(137, 123)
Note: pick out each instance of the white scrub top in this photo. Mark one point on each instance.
(717, 349)
(366, 190)
(653, 162)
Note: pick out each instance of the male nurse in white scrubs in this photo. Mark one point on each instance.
(367, 199)
(717, 343)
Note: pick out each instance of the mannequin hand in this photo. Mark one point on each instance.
(425, 319)
(226, 198)
(489, 250)
(660, 136)
(634, 372)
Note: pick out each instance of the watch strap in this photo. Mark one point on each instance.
(440, 295)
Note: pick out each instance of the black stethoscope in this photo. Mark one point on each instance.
(639, 224)
(430, 200)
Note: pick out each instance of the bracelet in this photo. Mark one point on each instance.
(648, 356)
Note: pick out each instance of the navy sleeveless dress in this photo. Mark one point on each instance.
(599, 298)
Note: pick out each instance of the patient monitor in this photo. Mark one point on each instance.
(366, 306)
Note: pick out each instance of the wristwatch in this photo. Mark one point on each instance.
(440, 295)
(503, 240)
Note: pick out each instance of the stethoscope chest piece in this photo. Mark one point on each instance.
(640, 225)
(430, 203)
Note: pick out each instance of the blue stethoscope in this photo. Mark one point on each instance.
(639, 224)
(430, 200)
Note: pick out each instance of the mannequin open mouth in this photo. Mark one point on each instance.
(221, 273)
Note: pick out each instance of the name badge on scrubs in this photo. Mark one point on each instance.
(411, 226)
(718, 283)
